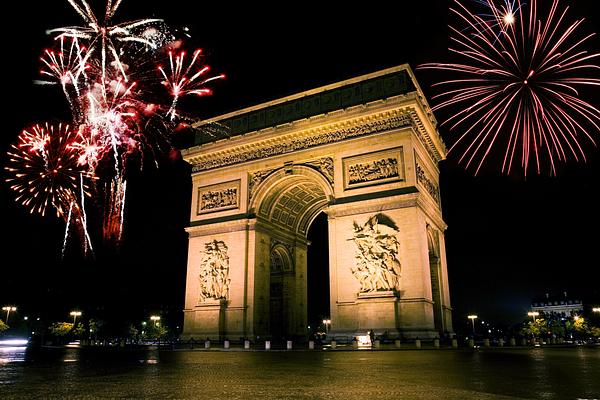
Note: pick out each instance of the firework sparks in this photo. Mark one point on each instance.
(181, 80)
(520, 87)
(105, 38)
(105, 71)
(44, 169)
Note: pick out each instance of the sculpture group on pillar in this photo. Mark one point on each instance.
(214, 271)
(377, 267)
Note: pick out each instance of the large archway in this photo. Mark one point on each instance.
(365, 152)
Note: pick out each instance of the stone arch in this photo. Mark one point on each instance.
(291, 197)
(437, 289)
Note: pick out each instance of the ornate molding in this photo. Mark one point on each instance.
(303, 140)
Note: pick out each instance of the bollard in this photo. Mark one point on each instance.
(501, 342)
(246, 344)
(267, 345)
(418, 343)
(523, 342)
(207, 344)
(333, 344)
(486, 342)
(354, 344)
(471, 343)
(397, 343)
(289, 345)
(377, 344)
(454, 343)
(553, 340)
(226, 344)
(311, 344)
(436, 343)
(512, 342)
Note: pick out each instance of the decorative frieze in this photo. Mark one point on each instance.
(220, 197)
(292, 143)
(373, 168)
(426, 182)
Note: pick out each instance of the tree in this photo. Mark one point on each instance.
(61, 329)
(3, 326)
(538, 327)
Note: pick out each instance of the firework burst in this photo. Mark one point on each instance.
(519, 87)
(106, 71)
(44, 169)
(181, 80)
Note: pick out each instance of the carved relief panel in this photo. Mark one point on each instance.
(373, 168)
(377, 267)
(220, 197)
(214, 272)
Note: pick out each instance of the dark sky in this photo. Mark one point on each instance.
(508, 238)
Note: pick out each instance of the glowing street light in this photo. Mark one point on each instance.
(327, 323)
(75, 314)
(472, 318)
(533, 314)
(596, 309)
(155, 318)
(8, 309)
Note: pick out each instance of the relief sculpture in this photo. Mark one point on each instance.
(214, 271)
(377, 266)
(375, 170)
(211, 200)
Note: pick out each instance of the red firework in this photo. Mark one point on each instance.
(44, 171)
(519, 87)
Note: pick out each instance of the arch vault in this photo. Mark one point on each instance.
(365, 151)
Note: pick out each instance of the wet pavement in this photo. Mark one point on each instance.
(93, 373)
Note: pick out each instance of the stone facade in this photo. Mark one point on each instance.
(373, 169)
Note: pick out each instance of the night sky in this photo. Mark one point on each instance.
(508, 238)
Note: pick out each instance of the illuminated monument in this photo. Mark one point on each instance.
(365, 151)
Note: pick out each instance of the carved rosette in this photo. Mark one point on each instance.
(214, 272)
(377, 266)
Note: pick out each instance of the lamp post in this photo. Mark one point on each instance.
(155, 318)
(327, 323)
(473, 318)
(75, 314)
(8, 309)
(533, 314)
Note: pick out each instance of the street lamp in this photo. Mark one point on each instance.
(473, 318)
(596, 309)
(155, 318)
(533, 314)
(75, 314)
(8, 309)
(327, 323)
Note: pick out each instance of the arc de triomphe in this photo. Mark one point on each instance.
(366, 152)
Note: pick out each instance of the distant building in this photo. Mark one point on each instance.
(560, 305)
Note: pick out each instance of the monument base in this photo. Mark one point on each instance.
(205, 321)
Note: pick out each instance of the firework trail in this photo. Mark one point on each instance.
(519, 87)
(106, 71)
